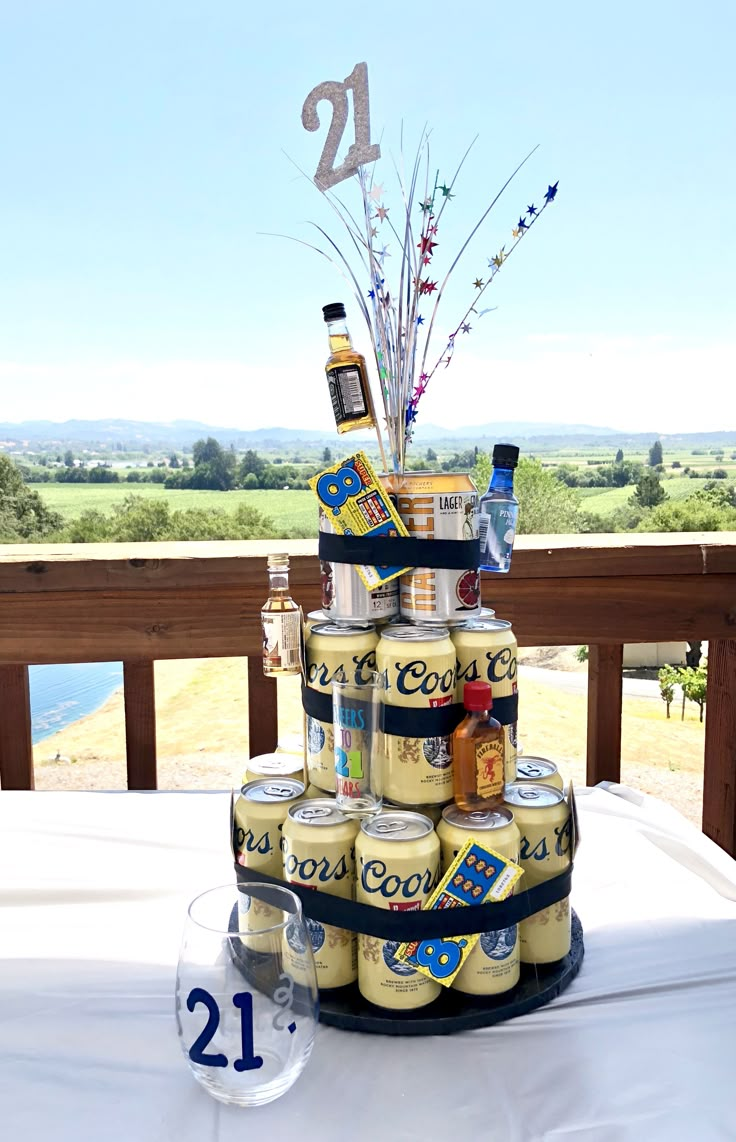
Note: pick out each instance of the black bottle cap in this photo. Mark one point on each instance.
(334, 311)
(505, 456)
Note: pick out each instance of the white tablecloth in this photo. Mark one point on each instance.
(93, 891)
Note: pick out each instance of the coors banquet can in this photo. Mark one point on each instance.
(493, 965)
(274, 765)
(543, 818)
(319, 852)
(332, 649)
(397, 858)
(437, 505)
(487, 652)
(260, 812)
(418, 669)
(345, 597)
(538, 771)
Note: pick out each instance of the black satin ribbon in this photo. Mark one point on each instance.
(420, 925)
(400, 551)
(410, 722)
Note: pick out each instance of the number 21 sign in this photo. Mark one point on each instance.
(362, 151)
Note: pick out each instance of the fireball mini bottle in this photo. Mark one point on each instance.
(478, 752)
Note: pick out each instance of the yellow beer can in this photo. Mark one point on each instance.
(331, 651)
(398, 862)
(274, 765)
(486, 651)
(543, 817)
(434, 812)
(538, 771)
(418, 668)
(319, 851)
(493, 966)
(437, 505)
(260, 812)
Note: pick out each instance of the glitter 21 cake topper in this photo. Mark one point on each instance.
(400, 333)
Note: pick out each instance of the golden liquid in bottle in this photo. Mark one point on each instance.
(478, 763)
(343, 355)
(286, 615)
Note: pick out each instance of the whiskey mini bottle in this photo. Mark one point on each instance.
(347, 377)
(281, 620)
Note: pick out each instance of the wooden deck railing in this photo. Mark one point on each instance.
(142, 602)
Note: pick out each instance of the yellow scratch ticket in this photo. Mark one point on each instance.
(477, 875)
(356, 503)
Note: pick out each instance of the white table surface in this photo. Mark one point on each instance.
(93, 892)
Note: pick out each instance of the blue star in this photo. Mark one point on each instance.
(371, 293)
(522, 224)
(531, 210)
(551, 192)
(420, 320)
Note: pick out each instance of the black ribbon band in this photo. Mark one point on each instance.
(420, 925)
(400, 551)
(400, 721)
(410, 722)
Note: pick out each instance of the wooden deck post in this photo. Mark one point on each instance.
(719, 778)
(140, 724)
(16, 752)
(605, 663)
(263, 713)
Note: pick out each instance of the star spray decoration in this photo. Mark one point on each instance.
(409, 234)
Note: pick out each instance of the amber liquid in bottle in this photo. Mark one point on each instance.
(478, 760)
(281, 621)
(347, 377)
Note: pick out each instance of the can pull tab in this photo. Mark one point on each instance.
(478, 815)
(529, 794)
(389, 827)
(532, 770)
(310, 813)
(275, 790)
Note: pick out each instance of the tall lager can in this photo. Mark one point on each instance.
(486, 651)
(319, 852)
(332, 650)
(274, 765)
(493, 965)
(418, 669)
(398, 861)
(260, 812)
(543, 818)
(345, 597)
(437, 505)
(538, 771)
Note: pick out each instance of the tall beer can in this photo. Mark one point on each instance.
(398, 860)
(538, 771)
(260, 812)
(319, 852)
(332, 650)
(493, 965)
(418, 668)
(486, 651)
(345, 597)
(543, 818)
(437, 505)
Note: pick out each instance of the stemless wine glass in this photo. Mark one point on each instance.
(246, 992)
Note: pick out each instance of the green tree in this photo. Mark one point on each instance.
(69, 458)
(23, 514)
(620, 456)
(174, 460)
(431, 456)
(649, 491)
(251, 463)
(655, 454)
(692, 514)
(668, 678)
(327, 456)
(695, 684)
(101, 474)
(545, 504)
(214, 467)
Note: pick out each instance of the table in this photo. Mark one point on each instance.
(93, 890)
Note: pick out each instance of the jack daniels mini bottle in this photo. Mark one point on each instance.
(347, 377)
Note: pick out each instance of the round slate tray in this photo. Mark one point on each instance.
(452, 1011)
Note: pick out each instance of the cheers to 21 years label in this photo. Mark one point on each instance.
(477, 875)
(243, 1001)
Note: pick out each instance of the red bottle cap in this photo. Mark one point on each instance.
(477, 696)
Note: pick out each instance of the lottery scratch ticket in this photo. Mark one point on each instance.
(477, 875)
(356, 503)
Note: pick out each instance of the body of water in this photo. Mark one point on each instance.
(62, 694)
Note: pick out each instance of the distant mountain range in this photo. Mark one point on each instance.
(138, 434)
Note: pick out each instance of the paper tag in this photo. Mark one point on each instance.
(356, 503)
(476, 876)
(574, 821)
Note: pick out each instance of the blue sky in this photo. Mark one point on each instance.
(146, 149)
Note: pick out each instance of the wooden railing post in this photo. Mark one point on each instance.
(140, 724)
(16, 751)
(263, 712)
(605, 663)
(719, 778)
